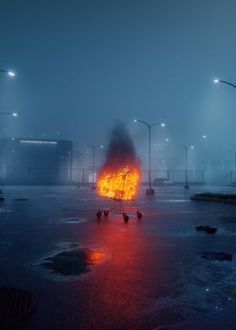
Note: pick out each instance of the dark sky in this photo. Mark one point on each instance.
(83, 64)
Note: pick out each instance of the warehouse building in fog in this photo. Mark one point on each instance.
(26, 161)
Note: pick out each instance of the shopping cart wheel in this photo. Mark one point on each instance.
(139, 215)
(99, 214)
(125, 217)
(106, 213)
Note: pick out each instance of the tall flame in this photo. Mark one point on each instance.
(119, 176)
(119, 184)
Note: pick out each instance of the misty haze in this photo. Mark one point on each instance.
(117, 165)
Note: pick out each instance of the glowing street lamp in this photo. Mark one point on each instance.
(186, 186)
(218, 81)
(9, 73)
(13, 114)
(150, 190)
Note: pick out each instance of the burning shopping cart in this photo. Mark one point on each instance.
(121, 186)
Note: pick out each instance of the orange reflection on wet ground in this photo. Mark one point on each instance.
(120, 289)
(95, 256)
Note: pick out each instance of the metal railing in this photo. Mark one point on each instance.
(86, 176)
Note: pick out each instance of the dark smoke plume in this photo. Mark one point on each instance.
(121, 151)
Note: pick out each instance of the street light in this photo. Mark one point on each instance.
(13, 114)
(150, 190)
(93, 148)
(9, 73)
(218, 81)
(186, 186)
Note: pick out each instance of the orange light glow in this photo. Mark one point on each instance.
(119, 184)
(95, 256)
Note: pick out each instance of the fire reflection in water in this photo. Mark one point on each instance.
(120, 288)
(95, 256)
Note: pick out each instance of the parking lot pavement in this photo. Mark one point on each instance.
(91, 273)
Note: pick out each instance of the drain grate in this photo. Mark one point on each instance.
(15, 305)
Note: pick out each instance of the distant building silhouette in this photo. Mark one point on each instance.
(26, 161)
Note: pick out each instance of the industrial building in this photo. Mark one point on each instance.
(26, 161)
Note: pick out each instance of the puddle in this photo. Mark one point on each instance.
(73, 220)
(72, 262)
(70, 220)
(216, 256)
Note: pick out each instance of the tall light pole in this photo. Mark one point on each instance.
(9, 73)
(150, 190)
(186, 186)
(14, 114)
(218, 81)
(94, 148)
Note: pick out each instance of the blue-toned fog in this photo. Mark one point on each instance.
(82, 65)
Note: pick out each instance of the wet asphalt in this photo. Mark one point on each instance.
(146, 274)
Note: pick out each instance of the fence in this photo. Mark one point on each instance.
(27, 175)
(87, 176)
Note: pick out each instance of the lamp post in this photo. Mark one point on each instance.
(150, 190)
(9, 73)
(186, 186)
(13, 114)
(69, 165)
(218, 81)
(94, 148)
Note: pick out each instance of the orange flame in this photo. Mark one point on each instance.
(119, 184)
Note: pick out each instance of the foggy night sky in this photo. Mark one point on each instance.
(83, 64)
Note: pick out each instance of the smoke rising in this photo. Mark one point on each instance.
(121, 151)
